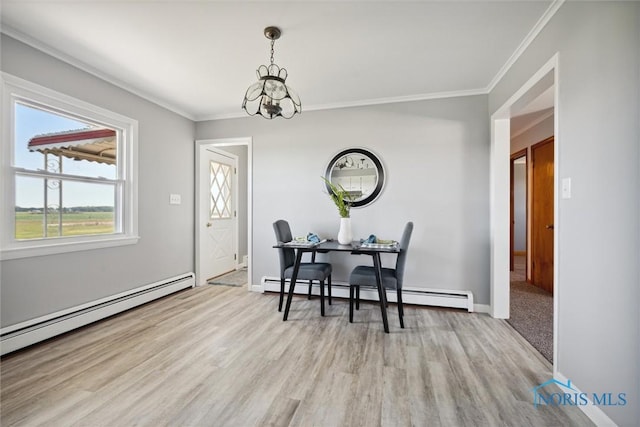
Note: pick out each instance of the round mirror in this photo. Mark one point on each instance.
(359, 172)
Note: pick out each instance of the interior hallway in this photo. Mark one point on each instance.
(531, 311)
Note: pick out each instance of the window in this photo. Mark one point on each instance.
(68, 171)
(220, 190)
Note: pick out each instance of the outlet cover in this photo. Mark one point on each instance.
(174, 199)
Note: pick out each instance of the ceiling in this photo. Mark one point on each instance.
(197, 58)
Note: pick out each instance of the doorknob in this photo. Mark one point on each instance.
(549, 227)
(208, 224)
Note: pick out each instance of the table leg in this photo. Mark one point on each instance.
(382, 295)
(294, 276)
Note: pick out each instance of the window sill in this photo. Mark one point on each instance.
(27, 250)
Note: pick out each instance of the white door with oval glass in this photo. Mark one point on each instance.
(218, 219)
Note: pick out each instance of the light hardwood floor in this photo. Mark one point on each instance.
(221, 356)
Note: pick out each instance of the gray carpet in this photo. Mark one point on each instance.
(532, 316)
(235, 278)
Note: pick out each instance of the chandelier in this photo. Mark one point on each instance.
(270, 96)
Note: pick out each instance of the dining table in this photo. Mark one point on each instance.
(353, 248)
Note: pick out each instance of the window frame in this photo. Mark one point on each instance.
(14, 90)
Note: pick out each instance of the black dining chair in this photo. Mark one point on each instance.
(364, 275)
(310, 271)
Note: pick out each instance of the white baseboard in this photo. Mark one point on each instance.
(243, 264)
(482, 308)
(32, 331)
(410, 295)
(594, 413)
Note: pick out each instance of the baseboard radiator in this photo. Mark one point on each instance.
(410, 295)
(32, 331)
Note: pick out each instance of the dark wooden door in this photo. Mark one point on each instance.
(542, 215)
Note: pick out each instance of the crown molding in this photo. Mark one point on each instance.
(363, 103)
(398, 99)
(530, 37)
(224, 116)
(43, 47)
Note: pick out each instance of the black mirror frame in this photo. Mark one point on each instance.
(379, 168)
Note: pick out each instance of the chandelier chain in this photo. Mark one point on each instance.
(272, 43)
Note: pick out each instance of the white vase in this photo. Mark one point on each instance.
(344, 235)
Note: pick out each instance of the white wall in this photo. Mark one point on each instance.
(33, 287)
(599, 232)
(533, 135)
(436, 155)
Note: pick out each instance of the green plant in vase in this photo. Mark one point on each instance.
(341, 197)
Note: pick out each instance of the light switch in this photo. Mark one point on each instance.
(566, 188)
(174, 199)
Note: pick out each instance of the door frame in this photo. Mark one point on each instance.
(514, 157)
(499, 198)
(217, 145)
(209, 153)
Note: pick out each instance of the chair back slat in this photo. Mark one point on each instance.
(283, 235)
(402, 256)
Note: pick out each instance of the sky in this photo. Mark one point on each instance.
(30, 122)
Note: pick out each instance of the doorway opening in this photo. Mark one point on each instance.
(541, 87)
(223, 195)
(531, 254)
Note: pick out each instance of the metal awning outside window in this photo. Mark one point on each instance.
(94, 145)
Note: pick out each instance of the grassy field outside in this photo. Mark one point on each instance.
(30, 225)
